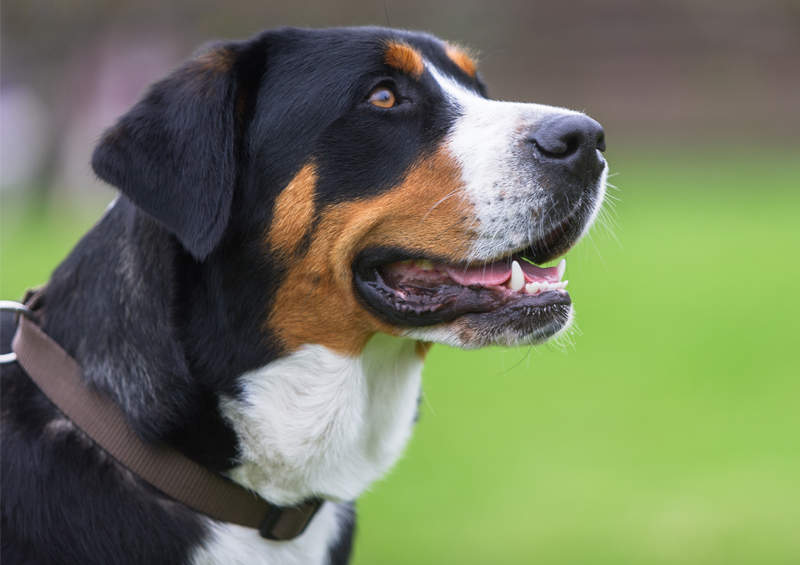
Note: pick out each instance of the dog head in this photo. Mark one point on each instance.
(365, 180)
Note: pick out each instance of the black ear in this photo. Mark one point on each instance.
(174, 153)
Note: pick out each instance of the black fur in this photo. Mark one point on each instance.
(163, 301)
(173, 153)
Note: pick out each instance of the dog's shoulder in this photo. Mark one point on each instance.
(64, 499)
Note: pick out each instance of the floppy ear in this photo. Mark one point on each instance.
(173, 154)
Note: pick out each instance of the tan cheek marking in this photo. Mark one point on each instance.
(294, 210)
(317, 302)
(462, 59)
(403, 57)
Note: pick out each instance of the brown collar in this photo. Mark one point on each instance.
(59, 377)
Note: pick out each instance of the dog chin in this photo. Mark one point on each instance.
(470, 332)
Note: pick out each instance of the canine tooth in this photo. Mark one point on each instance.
(425, 264)
(517, 278)
(562, 266)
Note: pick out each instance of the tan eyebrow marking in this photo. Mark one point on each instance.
(403, 57)
(218, 60)
(462, 58)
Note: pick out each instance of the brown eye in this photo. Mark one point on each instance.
(382, 97)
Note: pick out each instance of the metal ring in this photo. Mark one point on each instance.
(21, 310)
(7, 357)
(18, 307)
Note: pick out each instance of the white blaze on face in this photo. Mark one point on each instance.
(489, 139)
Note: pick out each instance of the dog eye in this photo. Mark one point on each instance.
(382, 97)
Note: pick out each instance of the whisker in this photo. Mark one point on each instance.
(451, 194)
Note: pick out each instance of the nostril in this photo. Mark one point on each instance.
(559, 148)
(565, 136)
(557, 144)
(566, 146)
(601, 141)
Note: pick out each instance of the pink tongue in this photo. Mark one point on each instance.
(484, 275)
(499, 272)
(534, 273)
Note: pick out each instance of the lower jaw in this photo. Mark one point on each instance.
(513, 326)
(473, 331)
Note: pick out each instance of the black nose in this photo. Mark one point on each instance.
(572, 141)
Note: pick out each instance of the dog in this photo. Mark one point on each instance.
(301, 215)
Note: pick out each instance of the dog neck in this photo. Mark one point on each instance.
(190, 367)
(133, 308)
(317, 423)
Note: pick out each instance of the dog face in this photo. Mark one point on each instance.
(367, 173)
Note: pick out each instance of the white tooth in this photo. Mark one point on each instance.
(517, 278)
(533, 288)
(562, 266)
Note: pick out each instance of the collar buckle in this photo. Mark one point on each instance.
(286, 522)
(19, 309)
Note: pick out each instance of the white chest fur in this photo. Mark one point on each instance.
(317, 423)
(229, 544)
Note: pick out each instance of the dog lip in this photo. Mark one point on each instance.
(534, 324)
(437, 298)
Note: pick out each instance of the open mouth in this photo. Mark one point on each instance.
(507, 300)
(419, 291)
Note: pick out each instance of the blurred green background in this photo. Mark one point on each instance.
(664, 428)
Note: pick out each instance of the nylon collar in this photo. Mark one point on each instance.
(58, 376)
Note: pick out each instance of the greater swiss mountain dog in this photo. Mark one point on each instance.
(301, 215)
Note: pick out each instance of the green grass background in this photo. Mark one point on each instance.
(665, 430)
